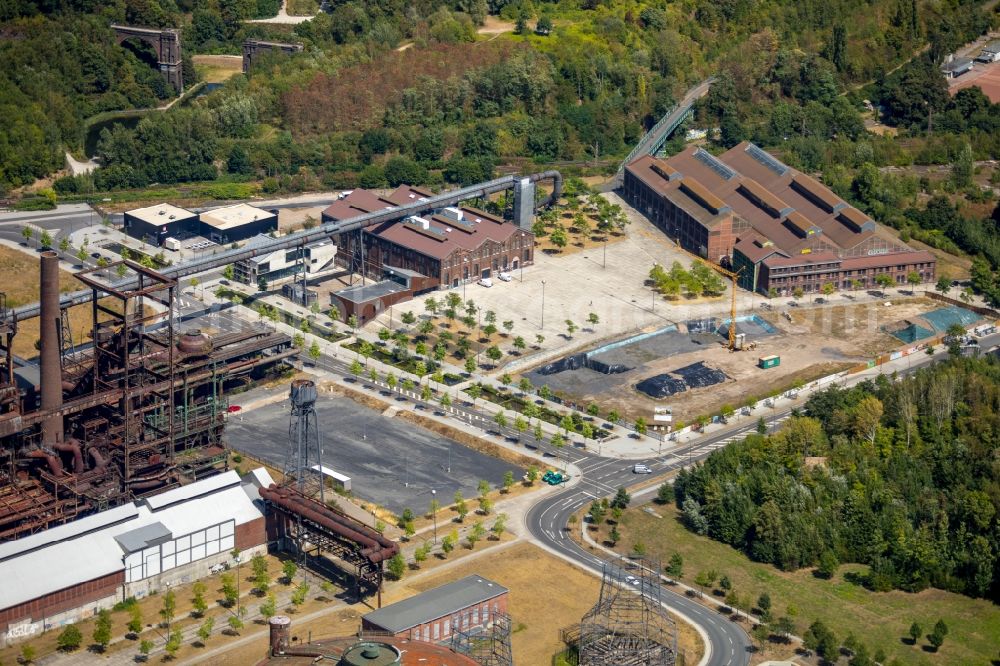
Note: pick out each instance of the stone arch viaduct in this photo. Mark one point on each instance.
(167, 44)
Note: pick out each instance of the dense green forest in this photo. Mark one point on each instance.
(902, 476)
(576, 92)
(451, 108)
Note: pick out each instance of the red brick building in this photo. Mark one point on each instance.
(451, 245)
(433, 616)
(779, 228)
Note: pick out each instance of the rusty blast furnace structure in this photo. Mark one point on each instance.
(137, 410)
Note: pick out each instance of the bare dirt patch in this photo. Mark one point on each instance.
(495, 26)
(297, 219)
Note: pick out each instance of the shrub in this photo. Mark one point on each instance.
(70, 638)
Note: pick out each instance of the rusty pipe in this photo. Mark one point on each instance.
(99, 461)
(71, 446)
(146, 485)
(54, 464)
(51, 375)
(375, 550)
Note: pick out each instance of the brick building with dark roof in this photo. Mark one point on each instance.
(451, 245)
(778, 227)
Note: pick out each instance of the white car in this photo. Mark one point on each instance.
(641, 469)
(486, 282)
(505, 277)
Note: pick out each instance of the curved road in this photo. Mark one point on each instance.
(727, 642)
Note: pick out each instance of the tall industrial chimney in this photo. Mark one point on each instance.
(52, 397)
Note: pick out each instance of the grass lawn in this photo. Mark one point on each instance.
(19, 280)
(880, 620)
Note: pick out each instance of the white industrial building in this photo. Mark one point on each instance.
(67, 573)
(953, 67)
(990, 52)
(238, 222)
(281, 264)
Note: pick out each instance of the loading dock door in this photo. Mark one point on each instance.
(486, 272)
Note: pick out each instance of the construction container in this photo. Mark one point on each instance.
(768, 362)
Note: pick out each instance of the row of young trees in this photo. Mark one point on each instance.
(899, 484)
(699, 280)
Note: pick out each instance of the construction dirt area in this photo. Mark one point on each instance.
(692, 371)
(297, 219)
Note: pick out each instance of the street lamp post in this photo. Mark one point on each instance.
(543, 304)
(434, 513)
(236, 557)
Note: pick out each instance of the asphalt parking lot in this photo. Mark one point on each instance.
(390, 461)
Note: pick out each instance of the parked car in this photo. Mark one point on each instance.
(486, 282)
(640, 468)
(505, 277)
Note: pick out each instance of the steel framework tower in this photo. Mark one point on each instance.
(487, 646)
(629, 626)
(303, 462)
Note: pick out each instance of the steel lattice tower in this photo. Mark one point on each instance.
(629, 626)
(487, 646)
(303, 462)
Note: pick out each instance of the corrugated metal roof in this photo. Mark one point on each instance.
(435, 603)
(203, 487)
(89, 548)
(259, 477)
(143, 537)
(69, 530)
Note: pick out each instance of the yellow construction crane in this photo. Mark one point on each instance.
(732, 308)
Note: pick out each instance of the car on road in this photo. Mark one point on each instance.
(640, 468)
(505, 277)
(95, 255)
(486, 282)
(224, 283)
